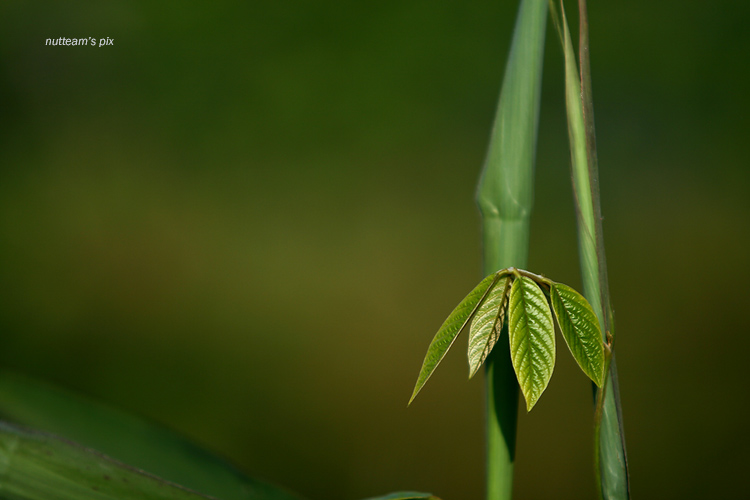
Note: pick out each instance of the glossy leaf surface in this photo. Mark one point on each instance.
(450, 329)
(487, 324)
(580, 329)
(127, 438)
(38, 466)
(532, 338)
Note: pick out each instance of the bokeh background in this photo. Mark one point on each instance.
(246, 220)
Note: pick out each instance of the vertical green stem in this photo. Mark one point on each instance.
(505, 244)
(610, 455)
(505, 198)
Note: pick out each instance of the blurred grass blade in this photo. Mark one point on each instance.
(505, 198)
(580, 329)
(38, 466)
(128, 439)
(532, 338)
(487, 324)
(406, 495)
(610, 455)
(452, 326)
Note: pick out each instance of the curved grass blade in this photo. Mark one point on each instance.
(580, 329)
(487, 324)
(127, 438)
(450, 329)
(532, 338)
(38, 466)
(406, 495)
(610, 456)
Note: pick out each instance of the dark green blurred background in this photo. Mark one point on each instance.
(248, 219)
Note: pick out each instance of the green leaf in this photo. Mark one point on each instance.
(580, 328)
(128, 439)
(39, 466)
(452, 326)
(406, 495)
(487, 324)
(532, 338)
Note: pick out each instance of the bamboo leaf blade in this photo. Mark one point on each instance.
(610, 455)
(532, 338)
(580, 329)
(38, 466)
(579, 162)
(487, 325)
(611, 458)
(128, 439)
(448, 332)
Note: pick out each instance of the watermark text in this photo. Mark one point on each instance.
(89, 41)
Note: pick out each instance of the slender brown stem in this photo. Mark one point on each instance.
(610, 456)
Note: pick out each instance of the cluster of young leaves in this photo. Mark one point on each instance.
(526, 303)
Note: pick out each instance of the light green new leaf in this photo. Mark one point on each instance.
(532, 338)
(128, 439)
(452, 326)
(487, 324)
(38, 466)
(580, 328)
(406, 495)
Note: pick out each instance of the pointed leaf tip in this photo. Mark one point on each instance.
(580, 328)
(450, 329)
(532, 338)
(488, 324)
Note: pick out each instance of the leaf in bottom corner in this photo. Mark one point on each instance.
(39, 466)
(127, 438)
(406, 495)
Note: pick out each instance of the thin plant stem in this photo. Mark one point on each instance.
(505, 198)
(609, 450)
